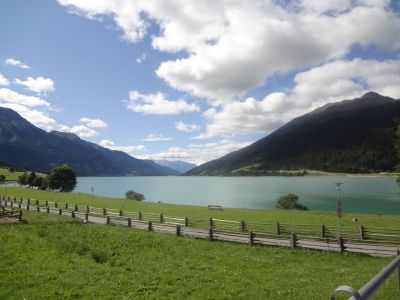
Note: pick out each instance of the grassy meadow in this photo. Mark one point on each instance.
(52, 257)
(201, 212)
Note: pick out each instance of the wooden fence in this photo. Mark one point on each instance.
(372, 241)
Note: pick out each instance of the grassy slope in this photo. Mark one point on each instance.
(51, 257)
(14, 175)
(198, 212)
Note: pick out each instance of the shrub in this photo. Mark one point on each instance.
(290, 202)
(2, 178)
(134, 195)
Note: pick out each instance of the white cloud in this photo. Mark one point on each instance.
(80, 130)
(198, 153)
(38, 118)
(129, 149)
(93, 123)
(126, 14)
(141, 58)
(156, 138)
(3, 80)
(157, 104)
(334, 81)
(9, 96)
(38, 85)
(15, 62)
(231, 47)
(186, 127)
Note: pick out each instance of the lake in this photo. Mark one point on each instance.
(363, 194)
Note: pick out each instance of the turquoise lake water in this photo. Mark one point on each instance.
(376, 195)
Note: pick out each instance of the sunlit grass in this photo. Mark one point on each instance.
(52, 257)
(201, 212)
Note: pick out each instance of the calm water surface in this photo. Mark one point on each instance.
(359, 194)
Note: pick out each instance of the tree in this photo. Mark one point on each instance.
(23, 179)
(2, 178)
(134, 195)
(31, 178)
(290, 202)
(62, 178)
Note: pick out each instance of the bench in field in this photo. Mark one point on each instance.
(218, 207)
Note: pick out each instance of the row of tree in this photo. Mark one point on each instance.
(61, 178)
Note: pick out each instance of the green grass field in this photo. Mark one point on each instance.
(14, 175)
(200, 212)
(52, 257)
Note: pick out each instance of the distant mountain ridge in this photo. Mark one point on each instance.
(352, 136)
(177, 165)
(24, 145)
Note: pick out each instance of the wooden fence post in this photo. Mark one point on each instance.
(29, 201)
(322, 230)
(341, 245)
(60, 212)
(55, 204)
(104, 211)
(73, 214)
(87, 217)
(293, 240)
(66, 205)
(210, 223)
(278, 228)
(210, 234)
(120, 213)
(178, 229)
(19, 205)
(150, 226)
(87, 209)
(108, 220)
(47, 203)
(20, 215)
(129, 222)
(362, 232)
(38, 208)
(186, 221)
(27, 206)
(242, 226)
(140, 216)
(76, 207)
(251, 238)
(48, 209)
(37, 202)
(161, 218)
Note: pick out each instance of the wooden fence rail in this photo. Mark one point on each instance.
(373, 241)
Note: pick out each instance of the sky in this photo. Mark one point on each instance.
(190, 80)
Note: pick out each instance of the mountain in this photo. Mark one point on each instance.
(177, 165)
(25, 146)
(352, 136)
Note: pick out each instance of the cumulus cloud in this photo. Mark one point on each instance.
(15, 62)
(38, 118)
(156, 138)
(129, 149)
(38, 85)
(186, 127)
(3, 80)
(234, 46)
(80, 130)
(331, 82)
(93, 123)
(157, 104)
(198, 153)
(10, 96)
(125, 13)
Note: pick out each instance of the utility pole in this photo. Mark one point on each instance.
(339, 208)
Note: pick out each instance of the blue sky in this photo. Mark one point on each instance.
(179, 79)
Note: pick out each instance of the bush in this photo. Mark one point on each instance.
(290, 202)
(134, 195)
(2, 178)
